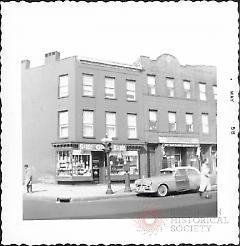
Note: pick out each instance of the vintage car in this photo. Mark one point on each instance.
(170, 180)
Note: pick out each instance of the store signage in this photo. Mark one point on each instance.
(99, 147)
(178, 140)
(180, 145)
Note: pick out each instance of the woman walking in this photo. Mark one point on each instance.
(205, 184)
(28, 178)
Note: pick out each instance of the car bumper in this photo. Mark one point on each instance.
(144, 189)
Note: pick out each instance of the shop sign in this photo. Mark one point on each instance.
(180, 145)
(99, 147)
(178, 140)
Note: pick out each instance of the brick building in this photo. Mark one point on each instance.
(158, 113)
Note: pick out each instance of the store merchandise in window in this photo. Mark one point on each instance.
(80, 165)
(118, 160)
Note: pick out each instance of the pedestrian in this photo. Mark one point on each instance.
(205, 184)
(28, 178)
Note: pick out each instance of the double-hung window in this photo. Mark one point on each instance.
(63, 124)
(132, 125)
(111, 131)
(131, 90)
(215, 92)
(151, 81)
(152, 120)
(172, 121)
(187, 89)
(189, 122)
(109, 87)
(202, 91)
(205, 127)
(63, 86)
(170, 86)
(87, 85)
(88, 126)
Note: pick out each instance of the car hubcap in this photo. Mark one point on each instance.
(162, 190)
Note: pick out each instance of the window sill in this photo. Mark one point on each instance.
(133, 138)
(63, 137)
(111, 98)
(89, 137)
(128, 100)
(63, 97)
(88, 96)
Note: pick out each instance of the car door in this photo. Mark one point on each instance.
(182, 180)
(194, 178)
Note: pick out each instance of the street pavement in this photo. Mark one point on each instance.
(148, 206)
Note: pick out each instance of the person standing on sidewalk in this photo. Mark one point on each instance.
(205, 184)
(28, 178)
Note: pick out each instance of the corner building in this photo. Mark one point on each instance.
(157, 112)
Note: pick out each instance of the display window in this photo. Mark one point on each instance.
(82, 165)
(119, 159)
(77, 165)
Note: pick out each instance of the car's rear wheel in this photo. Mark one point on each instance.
(162, 190)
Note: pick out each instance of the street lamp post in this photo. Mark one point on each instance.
(107, 149)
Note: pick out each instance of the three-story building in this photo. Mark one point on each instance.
(157, 112)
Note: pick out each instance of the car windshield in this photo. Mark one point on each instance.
(166, 172)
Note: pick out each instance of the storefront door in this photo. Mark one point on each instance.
(98, 166)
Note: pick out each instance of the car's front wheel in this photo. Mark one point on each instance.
(162, 190)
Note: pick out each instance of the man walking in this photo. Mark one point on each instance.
(28, 178)
(205, 184)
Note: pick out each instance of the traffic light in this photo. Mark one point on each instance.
(109, 147)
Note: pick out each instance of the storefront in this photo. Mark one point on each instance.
(86, 162)
(179, 152)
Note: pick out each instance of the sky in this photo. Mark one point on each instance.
(203, 33)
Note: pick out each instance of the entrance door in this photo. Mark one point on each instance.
(178, 160)
(182, 180)
(98, 166)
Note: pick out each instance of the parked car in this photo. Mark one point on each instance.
(170, 180)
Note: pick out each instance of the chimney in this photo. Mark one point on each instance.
(25, 64)
(52, 57)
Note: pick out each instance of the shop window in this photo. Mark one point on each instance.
(63, 86)
(87, 85)
(152, 120)
(63, 124)
(111, 125)
(187, 89)
(205, 128)
(215, 92)
(189, 122)
(82, 165)
(131, 93)
(109, 87)
(172, 121)
(132, 125)
(118, 160)
(151, 81)
(64, 166)
(88, 129)
(202, 90)
(170, 86)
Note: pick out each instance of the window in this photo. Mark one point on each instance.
(187, 89)
(131, 94)
(109, 87)
(152, 120)
(202, 89)
(205, 128)
(119, 159)
(215, 92)
(151, 80)
(63, 86)
(189, 122)
(170, 86)
(132, 125)
(172, 121)
(111, 125)
(63, 124)
(87, 85)
(88, 123)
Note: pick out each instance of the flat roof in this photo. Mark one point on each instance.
(109, 63)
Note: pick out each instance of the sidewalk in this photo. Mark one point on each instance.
(79, 192)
